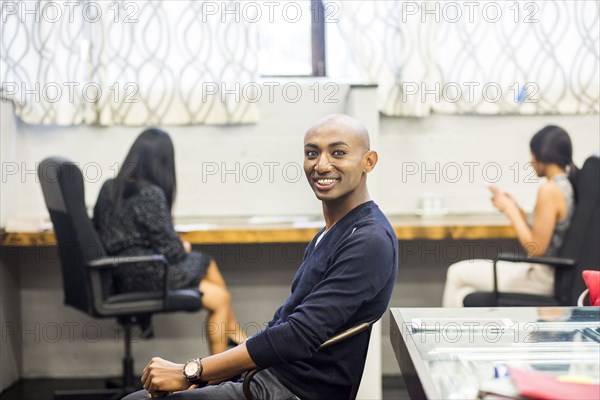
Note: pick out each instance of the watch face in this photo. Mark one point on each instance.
(190, 368)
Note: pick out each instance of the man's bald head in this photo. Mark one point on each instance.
(345, 125)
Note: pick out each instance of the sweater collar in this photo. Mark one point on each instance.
(352, 216)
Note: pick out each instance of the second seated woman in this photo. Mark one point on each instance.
(540, 234)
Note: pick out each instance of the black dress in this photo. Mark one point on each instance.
(143, 226)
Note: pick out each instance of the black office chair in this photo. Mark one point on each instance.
(335, 339)
(86, 270)
(580, 250)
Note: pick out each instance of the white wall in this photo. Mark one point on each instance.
(457, 156)
(8, 162)
(408, 148)
(274, 145)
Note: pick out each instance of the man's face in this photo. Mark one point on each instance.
(335, 161)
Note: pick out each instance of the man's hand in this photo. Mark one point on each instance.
(187, 246)
(163, 376)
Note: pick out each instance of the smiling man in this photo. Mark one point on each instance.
(346, 278)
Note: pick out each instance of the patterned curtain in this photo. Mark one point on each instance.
(477, 57)
(129, 63)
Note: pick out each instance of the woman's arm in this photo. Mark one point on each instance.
(535, 239)
(496, 190)
(524, 215)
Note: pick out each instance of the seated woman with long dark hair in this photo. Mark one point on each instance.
(540, 234)
(133, 217)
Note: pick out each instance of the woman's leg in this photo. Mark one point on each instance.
(218, 303)
(466, 277)
(234, 331)
(469, 276)
(214, 275)
(217, 300)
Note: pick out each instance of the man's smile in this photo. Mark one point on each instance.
(325, 183)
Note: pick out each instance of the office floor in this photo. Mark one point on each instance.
(42, 389)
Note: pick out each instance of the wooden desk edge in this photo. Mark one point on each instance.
(289, 235)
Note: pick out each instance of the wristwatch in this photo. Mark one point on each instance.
(192, 370)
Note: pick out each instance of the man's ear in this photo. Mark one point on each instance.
(371, 158)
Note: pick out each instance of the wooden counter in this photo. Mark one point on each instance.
(302, 229)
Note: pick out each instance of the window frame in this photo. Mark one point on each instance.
(319, 58)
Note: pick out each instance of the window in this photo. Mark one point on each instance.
(292, 38)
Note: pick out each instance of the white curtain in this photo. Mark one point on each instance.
(42, 59)
(129, 63)
(477, 57)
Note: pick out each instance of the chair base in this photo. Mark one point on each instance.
(117, 388)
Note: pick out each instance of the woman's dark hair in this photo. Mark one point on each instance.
(151, 159)
(552, 144)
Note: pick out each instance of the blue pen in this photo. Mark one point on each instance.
(500, 371)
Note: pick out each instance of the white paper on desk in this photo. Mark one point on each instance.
(26, 224)
(46, 226)
(453, 323)
(277, 220)
(194, 227)
(308, 224)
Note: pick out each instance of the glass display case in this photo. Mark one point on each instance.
(468, 353)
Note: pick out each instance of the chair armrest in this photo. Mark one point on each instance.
(582, 297)
(114, 262)
(554, 261)
(346, 334)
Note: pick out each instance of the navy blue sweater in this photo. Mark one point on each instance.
(345, 280)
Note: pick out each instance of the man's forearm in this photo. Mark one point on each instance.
(227, 364)
(162, 376)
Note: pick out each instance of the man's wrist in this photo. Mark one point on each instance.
(192, 371)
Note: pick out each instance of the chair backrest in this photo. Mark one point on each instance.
(346, 335)
(355, 388)
(581, 241)
(78, 242)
